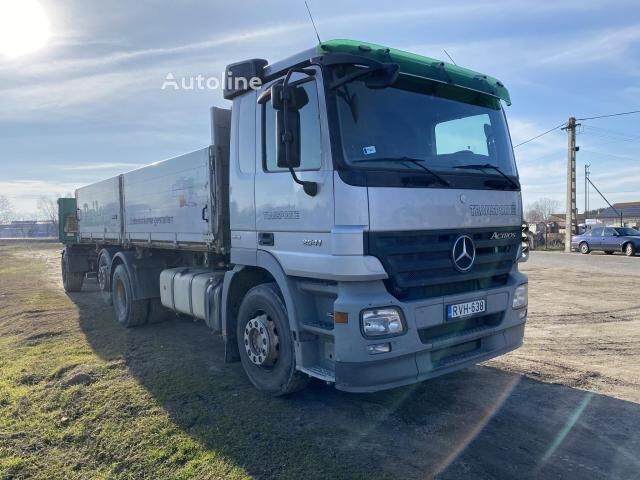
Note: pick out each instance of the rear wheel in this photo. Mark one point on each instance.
(265, 342)
(629, 250)
(104, 271)
(584, 248)
(71, 281)
(128, 312)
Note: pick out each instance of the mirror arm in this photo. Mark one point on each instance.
(310, 188)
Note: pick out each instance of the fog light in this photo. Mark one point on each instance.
(378, 348)
(520, 296)
(522, 313)
(380, 322)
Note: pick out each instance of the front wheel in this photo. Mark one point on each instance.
(265, 342)
(584, 248)
(128, 312)
(629, 250)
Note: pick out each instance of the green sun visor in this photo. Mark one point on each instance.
(420, 66)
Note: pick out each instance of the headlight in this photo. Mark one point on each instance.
(382, 322)
(520, 296)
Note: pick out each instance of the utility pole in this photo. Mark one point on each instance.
(571, 224)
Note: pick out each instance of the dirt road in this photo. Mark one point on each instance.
(81, 397)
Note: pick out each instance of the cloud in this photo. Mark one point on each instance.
(101, 166)
(595, 46)
(24, 194)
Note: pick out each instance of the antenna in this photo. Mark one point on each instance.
(312, 22)
(447, 53)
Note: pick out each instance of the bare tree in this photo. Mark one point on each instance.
(541, 210)
(48, 207)
(6, 210)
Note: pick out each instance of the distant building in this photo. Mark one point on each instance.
(28, 229)
(630, 212)
(561, 218)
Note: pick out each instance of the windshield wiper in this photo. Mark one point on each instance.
(486, 166)
(415, 161)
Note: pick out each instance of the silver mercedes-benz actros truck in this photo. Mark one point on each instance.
(357, 218)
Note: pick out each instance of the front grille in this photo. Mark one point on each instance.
(420, 265)
(455, 353)
(462, 327)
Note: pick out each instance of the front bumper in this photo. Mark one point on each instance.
(431, 346)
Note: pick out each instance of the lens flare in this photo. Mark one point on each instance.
(24, 27)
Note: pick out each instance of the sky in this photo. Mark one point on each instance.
(90, 103)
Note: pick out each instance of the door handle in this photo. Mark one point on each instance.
(265, 239)
(204, 211)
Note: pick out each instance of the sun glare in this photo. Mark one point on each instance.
(24, 27)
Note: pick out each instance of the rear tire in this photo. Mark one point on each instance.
(584, 248)
(104, 271)
(629, 250)
(265, 342)
(71, 281)
(128, 312)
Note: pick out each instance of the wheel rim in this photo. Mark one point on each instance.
(629, 249)
(261, 341)
(584, 247)
(102, 273)
(120, 299)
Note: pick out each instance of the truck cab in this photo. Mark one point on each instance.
(415, 217)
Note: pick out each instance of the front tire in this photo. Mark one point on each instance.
(584, 248)
(71, 281)
(629, 250)
(129, 313)
(265, 342)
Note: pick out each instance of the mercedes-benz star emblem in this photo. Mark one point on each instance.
(463, 253)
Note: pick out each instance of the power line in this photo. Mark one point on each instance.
(577, 119)
(611, 132)
(541, 135)
(609, 115)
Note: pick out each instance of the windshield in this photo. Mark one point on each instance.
(417, 122)
(627, 231)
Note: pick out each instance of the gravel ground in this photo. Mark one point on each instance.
(565, 405)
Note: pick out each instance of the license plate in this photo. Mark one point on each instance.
(466, 309)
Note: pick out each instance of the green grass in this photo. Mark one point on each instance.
(157, 402)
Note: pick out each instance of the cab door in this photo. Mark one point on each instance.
(289, 221)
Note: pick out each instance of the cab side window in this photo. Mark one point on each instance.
(310, 146)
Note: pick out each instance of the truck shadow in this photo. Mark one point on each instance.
(481, 422)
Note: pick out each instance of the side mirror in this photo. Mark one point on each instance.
(287, 100)
(288, 138)
(293, 96)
